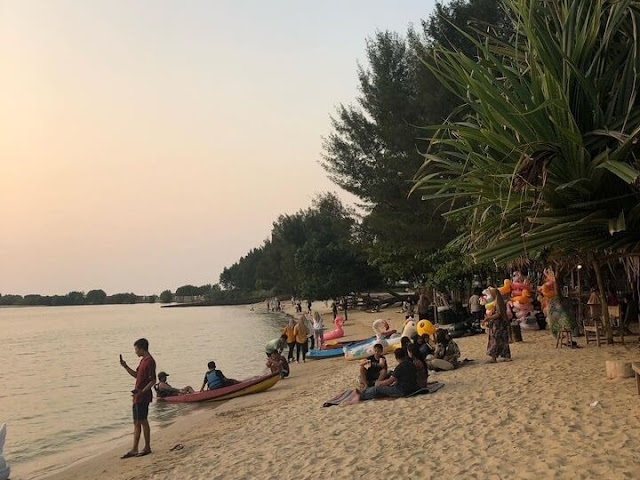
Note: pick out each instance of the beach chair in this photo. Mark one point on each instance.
(565, 338)
(593, 330)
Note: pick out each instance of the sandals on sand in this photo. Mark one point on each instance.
(143, 453)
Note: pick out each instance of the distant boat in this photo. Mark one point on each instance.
(245, 387)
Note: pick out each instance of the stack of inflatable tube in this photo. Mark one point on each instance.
(521, 301)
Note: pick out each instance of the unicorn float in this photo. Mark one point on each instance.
(337, 332)
(365, 349)
(488, 301)
(5, 470)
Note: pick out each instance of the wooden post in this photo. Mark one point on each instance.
(603, 302)
(618, 369)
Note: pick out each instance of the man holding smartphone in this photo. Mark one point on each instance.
(145, 376)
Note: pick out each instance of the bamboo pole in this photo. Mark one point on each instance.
(603, 302)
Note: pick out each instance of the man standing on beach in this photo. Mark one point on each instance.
(145, 376)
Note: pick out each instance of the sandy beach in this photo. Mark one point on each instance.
(528, 419)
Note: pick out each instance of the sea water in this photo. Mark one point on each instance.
(64, 394)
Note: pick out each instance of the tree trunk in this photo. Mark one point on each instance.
(603, 302)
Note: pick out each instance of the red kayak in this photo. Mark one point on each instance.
(250, 385)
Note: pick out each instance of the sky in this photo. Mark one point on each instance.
(146, 145)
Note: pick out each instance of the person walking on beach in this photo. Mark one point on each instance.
(301, 332)
(291, 337)
(145, 376)
(344, 308)
(318, 330)
(423, 307)
(498, 344)
(475, 309)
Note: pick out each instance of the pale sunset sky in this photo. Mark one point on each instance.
(148, 144)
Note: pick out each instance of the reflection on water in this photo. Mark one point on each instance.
(67, 390)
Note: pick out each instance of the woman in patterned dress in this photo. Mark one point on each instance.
(498, 345)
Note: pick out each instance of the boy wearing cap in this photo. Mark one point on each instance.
(163, 389)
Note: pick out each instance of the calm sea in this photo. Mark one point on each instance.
(64, 394)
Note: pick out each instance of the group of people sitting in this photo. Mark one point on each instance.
(415, 359)
(213, 379)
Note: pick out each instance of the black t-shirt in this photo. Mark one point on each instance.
(373, 372)
(405, 375)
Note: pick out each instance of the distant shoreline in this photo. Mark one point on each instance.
(208, 304)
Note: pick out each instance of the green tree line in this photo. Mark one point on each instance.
(92, 297)
(315, 253)
(374, 149)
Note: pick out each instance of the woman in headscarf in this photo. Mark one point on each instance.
(498, 345)
(301, 332)
(291, 336)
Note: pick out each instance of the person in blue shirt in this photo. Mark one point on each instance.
(215, 378)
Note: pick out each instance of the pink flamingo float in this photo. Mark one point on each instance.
(336, 332)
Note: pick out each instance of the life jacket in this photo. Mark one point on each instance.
(214, 380)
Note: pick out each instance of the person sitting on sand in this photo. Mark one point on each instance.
(374, 368)
(276, 345)
(424, 346)
(215, 378)
(278, 364)
(404, 343)
(447, 354)
(401, 383)
(422, 373)
(163, 389)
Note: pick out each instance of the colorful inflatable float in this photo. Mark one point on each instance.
(337, 350)
(337, 332)
(365, 349)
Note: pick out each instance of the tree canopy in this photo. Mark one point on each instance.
(374, 148)
(314, 253)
